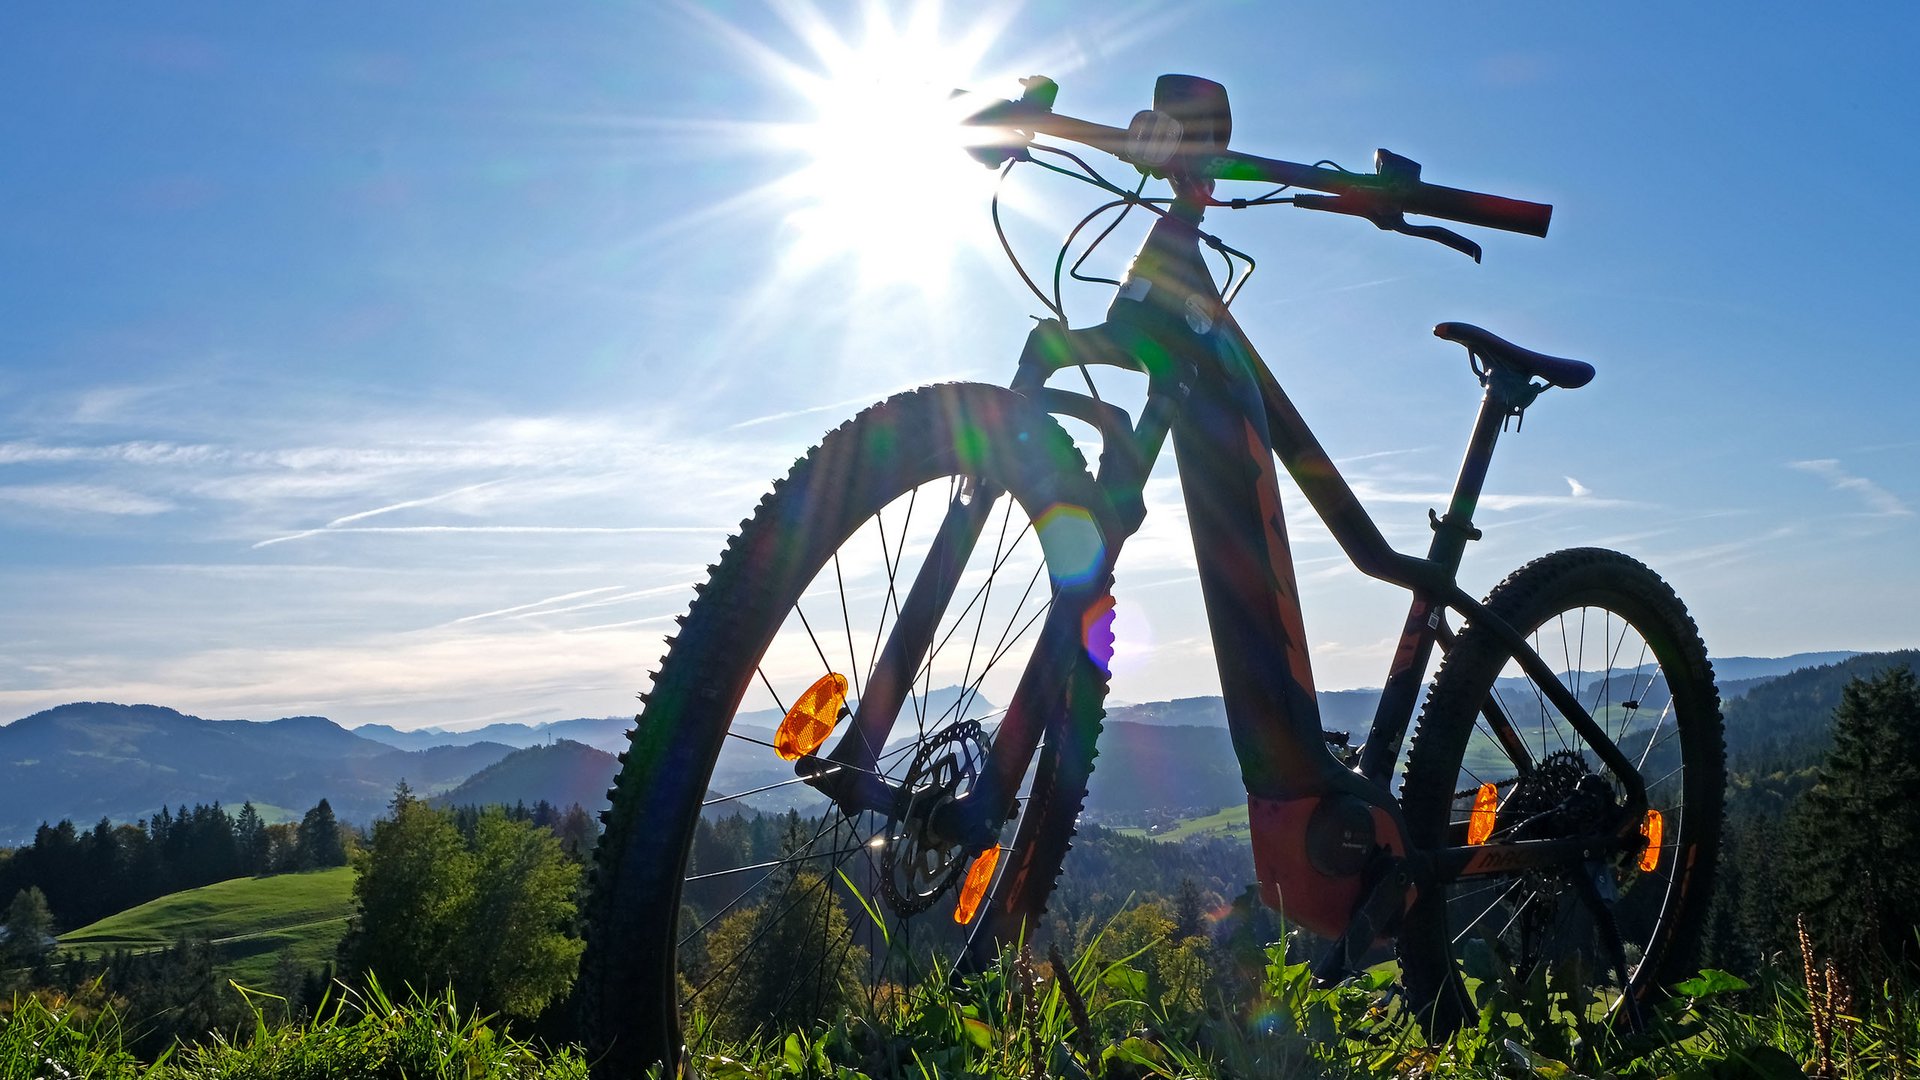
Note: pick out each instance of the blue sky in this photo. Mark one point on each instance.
(407, 364)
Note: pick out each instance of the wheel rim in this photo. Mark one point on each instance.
(1545, 928)
(846, 911)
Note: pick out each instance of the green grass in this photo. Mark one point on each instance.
(248, 919)
(1227, 824)
(359, 1034)
(1009, 1025)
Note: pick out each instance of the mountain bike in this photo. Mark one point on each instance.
(863, 757)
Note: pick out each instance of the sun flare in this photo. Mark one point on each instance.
(886, 181)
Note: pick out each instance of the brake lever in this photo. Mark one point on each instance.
(1037, 95)
(1440, 234)
(1388, 218)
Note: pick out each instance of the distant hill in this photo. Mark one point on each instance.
(1159, 767)
(91, 760)
(1788, 722)
(1174, 758)
(1738, 668)
(1352, 711)
(249, 920)
(1340, 710)
(608, 734)
(564, 773)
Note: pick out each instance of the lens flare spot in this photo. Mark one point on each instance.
(1654, 830)
(812, 717)
(1071, 539)
(1486, 807)
(1096, 633)
(974, 889)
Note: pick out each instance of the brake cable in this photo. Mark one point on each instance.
(1007, 247)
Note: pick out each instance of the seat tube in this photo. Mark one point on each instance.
(1450, 535)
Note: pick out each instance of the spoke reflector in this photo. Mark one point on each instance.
(974, 889)
(1486, 806)
(1652, 829)
(811, 719)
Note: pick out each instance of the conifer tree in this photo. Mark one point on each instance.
(319, 844)
(250, 837)
(29, 929)
(1853, 836)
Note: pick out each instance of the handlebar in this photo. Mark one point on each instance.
(1392, 189)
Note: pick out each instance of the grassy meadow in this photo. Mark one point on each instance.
(249, 921)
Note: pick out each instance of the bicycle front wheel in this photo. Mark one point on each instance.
(1493, 761)
(733, 901)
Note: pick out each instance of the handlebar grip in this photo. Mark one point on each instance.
(1476, 208)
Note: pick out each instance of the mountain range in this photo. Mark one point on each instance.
(90, 760)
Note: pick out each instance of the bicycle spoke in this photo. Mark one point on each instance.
(1489, 909)
(853, 658)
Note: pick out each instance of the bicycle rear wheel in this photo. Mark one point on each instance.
(732, 900)
(1623, 643)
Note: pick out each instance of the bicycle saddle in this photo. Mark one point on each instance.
(1554, 370)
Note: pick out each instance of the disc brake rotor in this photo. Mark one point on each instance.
(919, 865)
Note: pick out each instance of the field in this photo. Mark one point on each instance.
(249, 920)
(1227, 824)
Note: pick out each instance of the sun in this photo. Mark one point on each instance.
(885, 180)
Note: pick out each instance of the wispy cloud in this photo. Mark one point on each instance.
(561, 599)
(1721, 554)
(1879, 501)
(524, 529)
(84, 499)
(837, 406)
(409, 504)
(1581, 497)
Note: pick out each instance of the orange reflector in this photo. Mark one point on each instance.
(1652, 828)
(974, 889)
(811, 719)
(1486, 806)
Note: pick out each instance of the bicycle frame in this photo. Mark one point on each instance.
(1325, 836)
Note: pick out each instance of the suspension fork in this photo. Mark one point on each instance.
(858, 751)
(850, 773)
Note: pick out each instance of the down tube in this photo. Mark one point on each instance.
(1246, 578)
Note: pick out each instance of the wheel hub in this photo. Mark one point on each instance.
(919, 863)
(1561, 797)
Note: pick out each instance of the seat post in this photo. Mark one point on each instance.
(1452, 530)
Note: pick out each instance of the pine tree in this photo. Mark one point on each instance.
(319, 844)
(577, 833)
(250, 837)
(29, 929)
(1189, 911)
(1852, 837)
